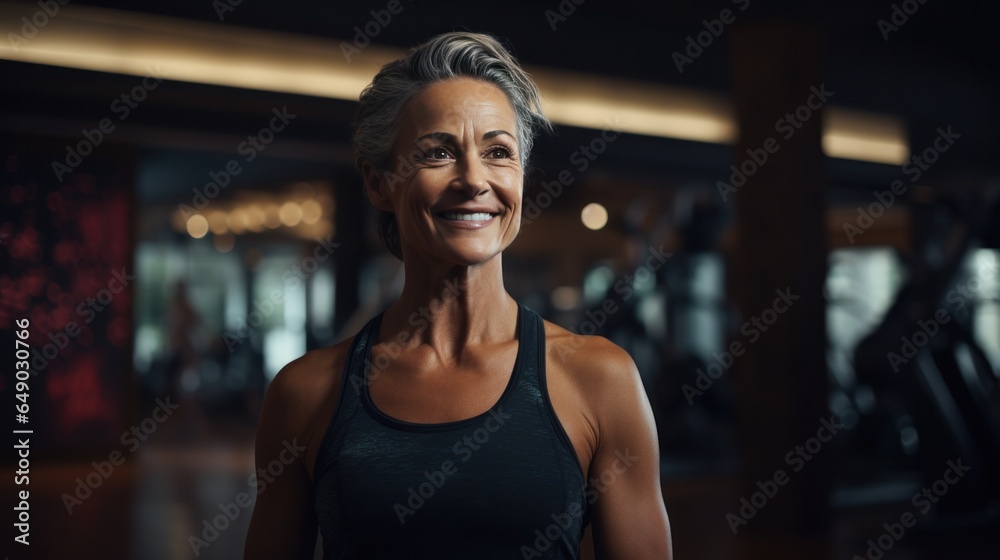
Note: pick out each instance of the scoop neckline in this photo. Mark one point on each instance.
(394, 422)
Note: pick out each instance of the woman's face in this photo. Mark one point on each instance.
(456, 178)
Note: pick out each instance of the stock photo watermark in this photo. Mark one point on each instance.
(581, 158)
(249, 148)
(88, 310)
(132, 439)
(463, 450)
(914, 169)
(786, 126)
(420, 320)
(898, 17)
(595, 319)
(223, 7)
(407, 165)
(565, 9)
(696, 44)
(958, 297)
(363, 35)
(546, 537)
(122, 107)
(796, 459)
(753, 329)
(33, 24)
(292, 279)
(922, 503)
(231, 511)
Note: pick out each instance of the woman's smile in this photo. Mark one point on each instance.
(467, 218)
(467, 221)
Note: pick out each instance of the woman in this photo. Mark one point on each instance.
(457, 423)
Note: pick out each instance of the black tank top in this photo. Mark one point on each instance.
(506, 484)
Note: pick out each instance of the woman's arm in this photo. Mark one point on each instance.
(630, 519)
(284, 520)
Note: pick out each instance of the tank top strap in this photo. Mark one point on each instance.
(357, 361)
(535, 374)
(351, 385)
(354, 375)
(532, 336)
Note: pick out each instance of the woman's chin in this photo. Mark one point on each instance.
(469, 254)
(455, 250)
(474, 258)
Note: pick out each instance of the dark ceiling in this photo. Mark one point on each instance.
(937, 69)
(635, 39)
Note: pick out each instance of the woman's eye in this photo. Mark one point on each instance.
(438, 153)
(499, 152)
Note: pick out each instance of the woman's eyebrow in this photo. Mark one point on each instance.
(446, 137)
(440, 136)
(495, 133)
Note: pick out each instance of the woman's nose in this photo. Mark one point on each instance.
(473, 176)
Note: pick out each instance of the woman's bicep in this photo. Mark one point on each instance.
(630, 518)
(283, 524)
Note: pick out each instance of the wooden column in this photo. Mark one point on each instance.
(780, 246)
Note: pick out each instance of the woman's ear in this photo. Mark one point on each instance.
(376, 187)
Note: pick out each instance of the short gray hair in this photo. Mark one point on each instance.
(445, 56)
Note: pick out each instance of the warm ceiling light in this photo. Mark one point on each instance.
(291, 214)
(865, 136)
(594, 216)
(227, 55)
(217, 222)
(237, 221)
(197, 226)
(311, 212)
(639, 108)
(255, 218)
(272, 216)
(137, 44)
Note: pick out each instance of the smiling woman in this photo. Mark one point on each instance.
(457, 423)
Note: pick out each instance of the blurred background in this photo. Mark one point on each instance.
(786, 212)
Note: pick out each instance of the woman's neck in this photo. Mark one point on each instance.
(451, 307)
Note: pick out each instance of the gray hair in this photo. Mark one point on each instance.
(445, 56)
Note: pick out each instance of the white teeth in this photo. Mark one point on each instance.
(478, 216)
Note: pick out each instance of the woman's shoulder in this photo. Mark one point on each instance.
(302, 388)
(600, 381)
(592, 362)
